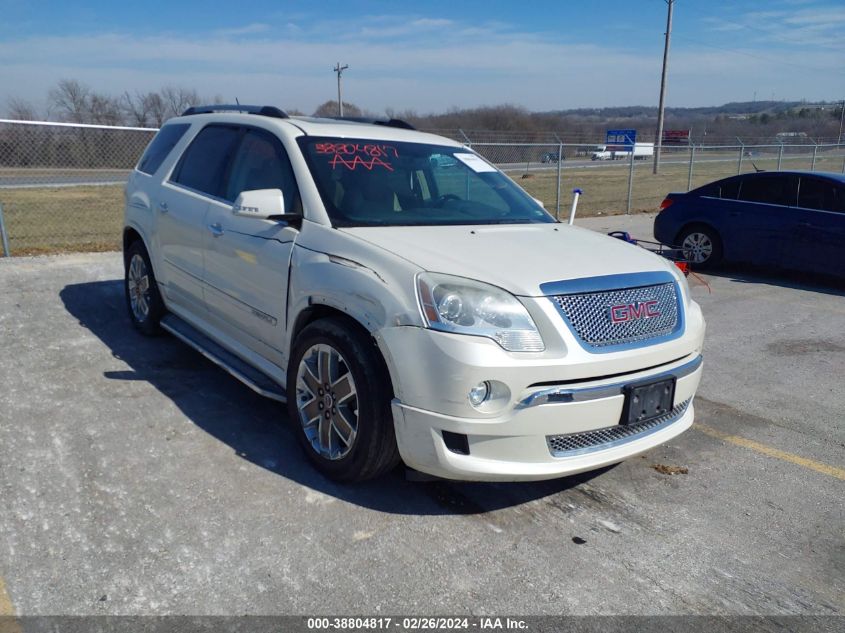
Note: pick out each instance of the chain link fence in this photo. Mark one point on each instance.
(61, 185)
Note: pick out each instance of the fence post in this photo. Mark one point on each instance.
(631, 177)
(3, 235)
(815, 151)
(739, 163)
(780, 155)
(559, 174)
(691, 163)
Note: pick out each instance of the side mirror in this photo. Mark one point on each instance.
(265, 204)
(260, 204)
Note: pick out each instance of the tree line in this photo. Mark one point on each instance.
(75, 102)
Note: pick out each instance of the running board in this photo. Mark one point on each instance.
(253, 378)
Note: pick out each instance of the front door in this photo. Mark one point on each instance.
(247, 259)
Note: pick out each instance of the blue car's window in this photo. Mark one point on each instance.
(729, 189)
(815, 193)
(726, 189)
(767, 189)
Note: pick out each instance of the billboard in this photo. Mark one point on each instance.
(675, 137)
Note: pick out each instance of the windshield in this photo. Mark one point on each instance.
(381, 183)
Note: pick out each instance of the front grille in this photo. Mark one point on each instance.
(600, 439)
(618, 317)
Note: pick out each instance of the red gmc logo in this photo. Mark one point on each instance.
(633, 311)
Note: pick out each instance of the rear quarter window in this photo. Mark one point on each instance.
(724, 189)
(161, 146)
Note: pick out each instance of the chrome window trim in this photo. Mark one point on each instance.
(557, 395)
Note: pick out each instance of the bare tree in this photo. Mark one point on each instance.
(69, 100)
(329, 109)
(144, 109)
(21, 110)
(104, 110)
(178, 99)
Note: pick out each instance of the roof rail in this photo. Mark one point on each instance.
(386, 122)
(271, 111)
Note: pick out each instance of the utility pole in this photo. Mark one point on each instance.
(658, 141)
(339, 70)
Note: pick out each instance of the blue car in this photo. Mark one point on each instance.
(784, 219)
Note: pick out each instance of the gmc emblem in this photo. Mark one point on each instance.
(632, 311)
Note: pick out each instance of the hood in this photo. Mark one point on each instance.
(516, 257)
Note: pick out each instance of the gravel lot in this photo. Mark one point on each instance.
(137, 478)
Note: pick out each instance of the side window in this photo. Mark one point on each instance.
(729, 189)
(160, 147)
(820, 194)
(768, 190)
(203, 165)
(709, 191)
(726, 189)
(262, 163)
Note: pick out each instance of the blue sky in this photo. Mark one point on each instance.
(429, 56)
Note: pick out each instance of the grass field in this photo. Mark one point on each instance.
(89, 218)
(63, 219)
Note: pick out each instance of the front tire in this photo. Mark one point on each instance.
(143, 300)
(701, 246)
(339, 395)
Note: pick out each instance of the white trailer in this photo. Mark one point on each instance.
(641, 152)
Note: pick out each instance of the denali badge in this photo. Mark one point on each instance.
(633, 311)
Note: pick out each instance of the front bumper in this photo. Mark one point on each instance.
(517, 445)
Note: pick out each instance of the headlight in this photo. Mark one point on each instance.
(465, 306)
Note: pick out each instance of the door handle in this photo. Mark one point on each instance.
(216, 229)
(162, 206)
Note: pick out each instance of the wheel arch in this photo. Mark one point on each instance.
(317, 312)
(691, 224)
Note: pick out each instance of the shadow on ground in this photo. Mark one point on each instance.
(256, 428)
(748, 274)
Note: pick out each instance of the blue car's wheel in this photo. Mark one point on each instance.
(701, 246)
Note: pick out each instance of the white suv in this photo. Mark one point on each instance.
(406, 298)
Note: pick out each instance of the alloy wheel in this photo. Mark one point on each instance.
(327, 401)
(138, 284)
(697, 247)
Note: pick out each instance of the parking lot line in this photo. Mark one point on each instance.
(771, 451)
(6, 606)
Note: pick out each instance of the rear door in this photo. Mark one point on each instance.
(762, 221)
(181, 210)
(820, 226)
(247, 259)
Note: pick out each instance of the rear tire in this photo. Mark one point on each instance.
(701, 246)
(143, 300)
(339, 395)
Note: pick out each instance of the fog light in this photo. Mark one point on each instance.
(479, 393)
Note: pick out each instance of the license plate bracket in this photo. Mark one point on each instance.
(646, 401)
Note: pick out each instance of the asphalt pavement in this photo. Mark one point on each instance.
(137, 478)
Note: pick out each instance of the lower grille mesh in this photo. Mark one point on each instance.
(588, 441)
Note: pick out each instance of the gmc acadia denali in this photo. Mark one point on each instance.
(405, 298)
